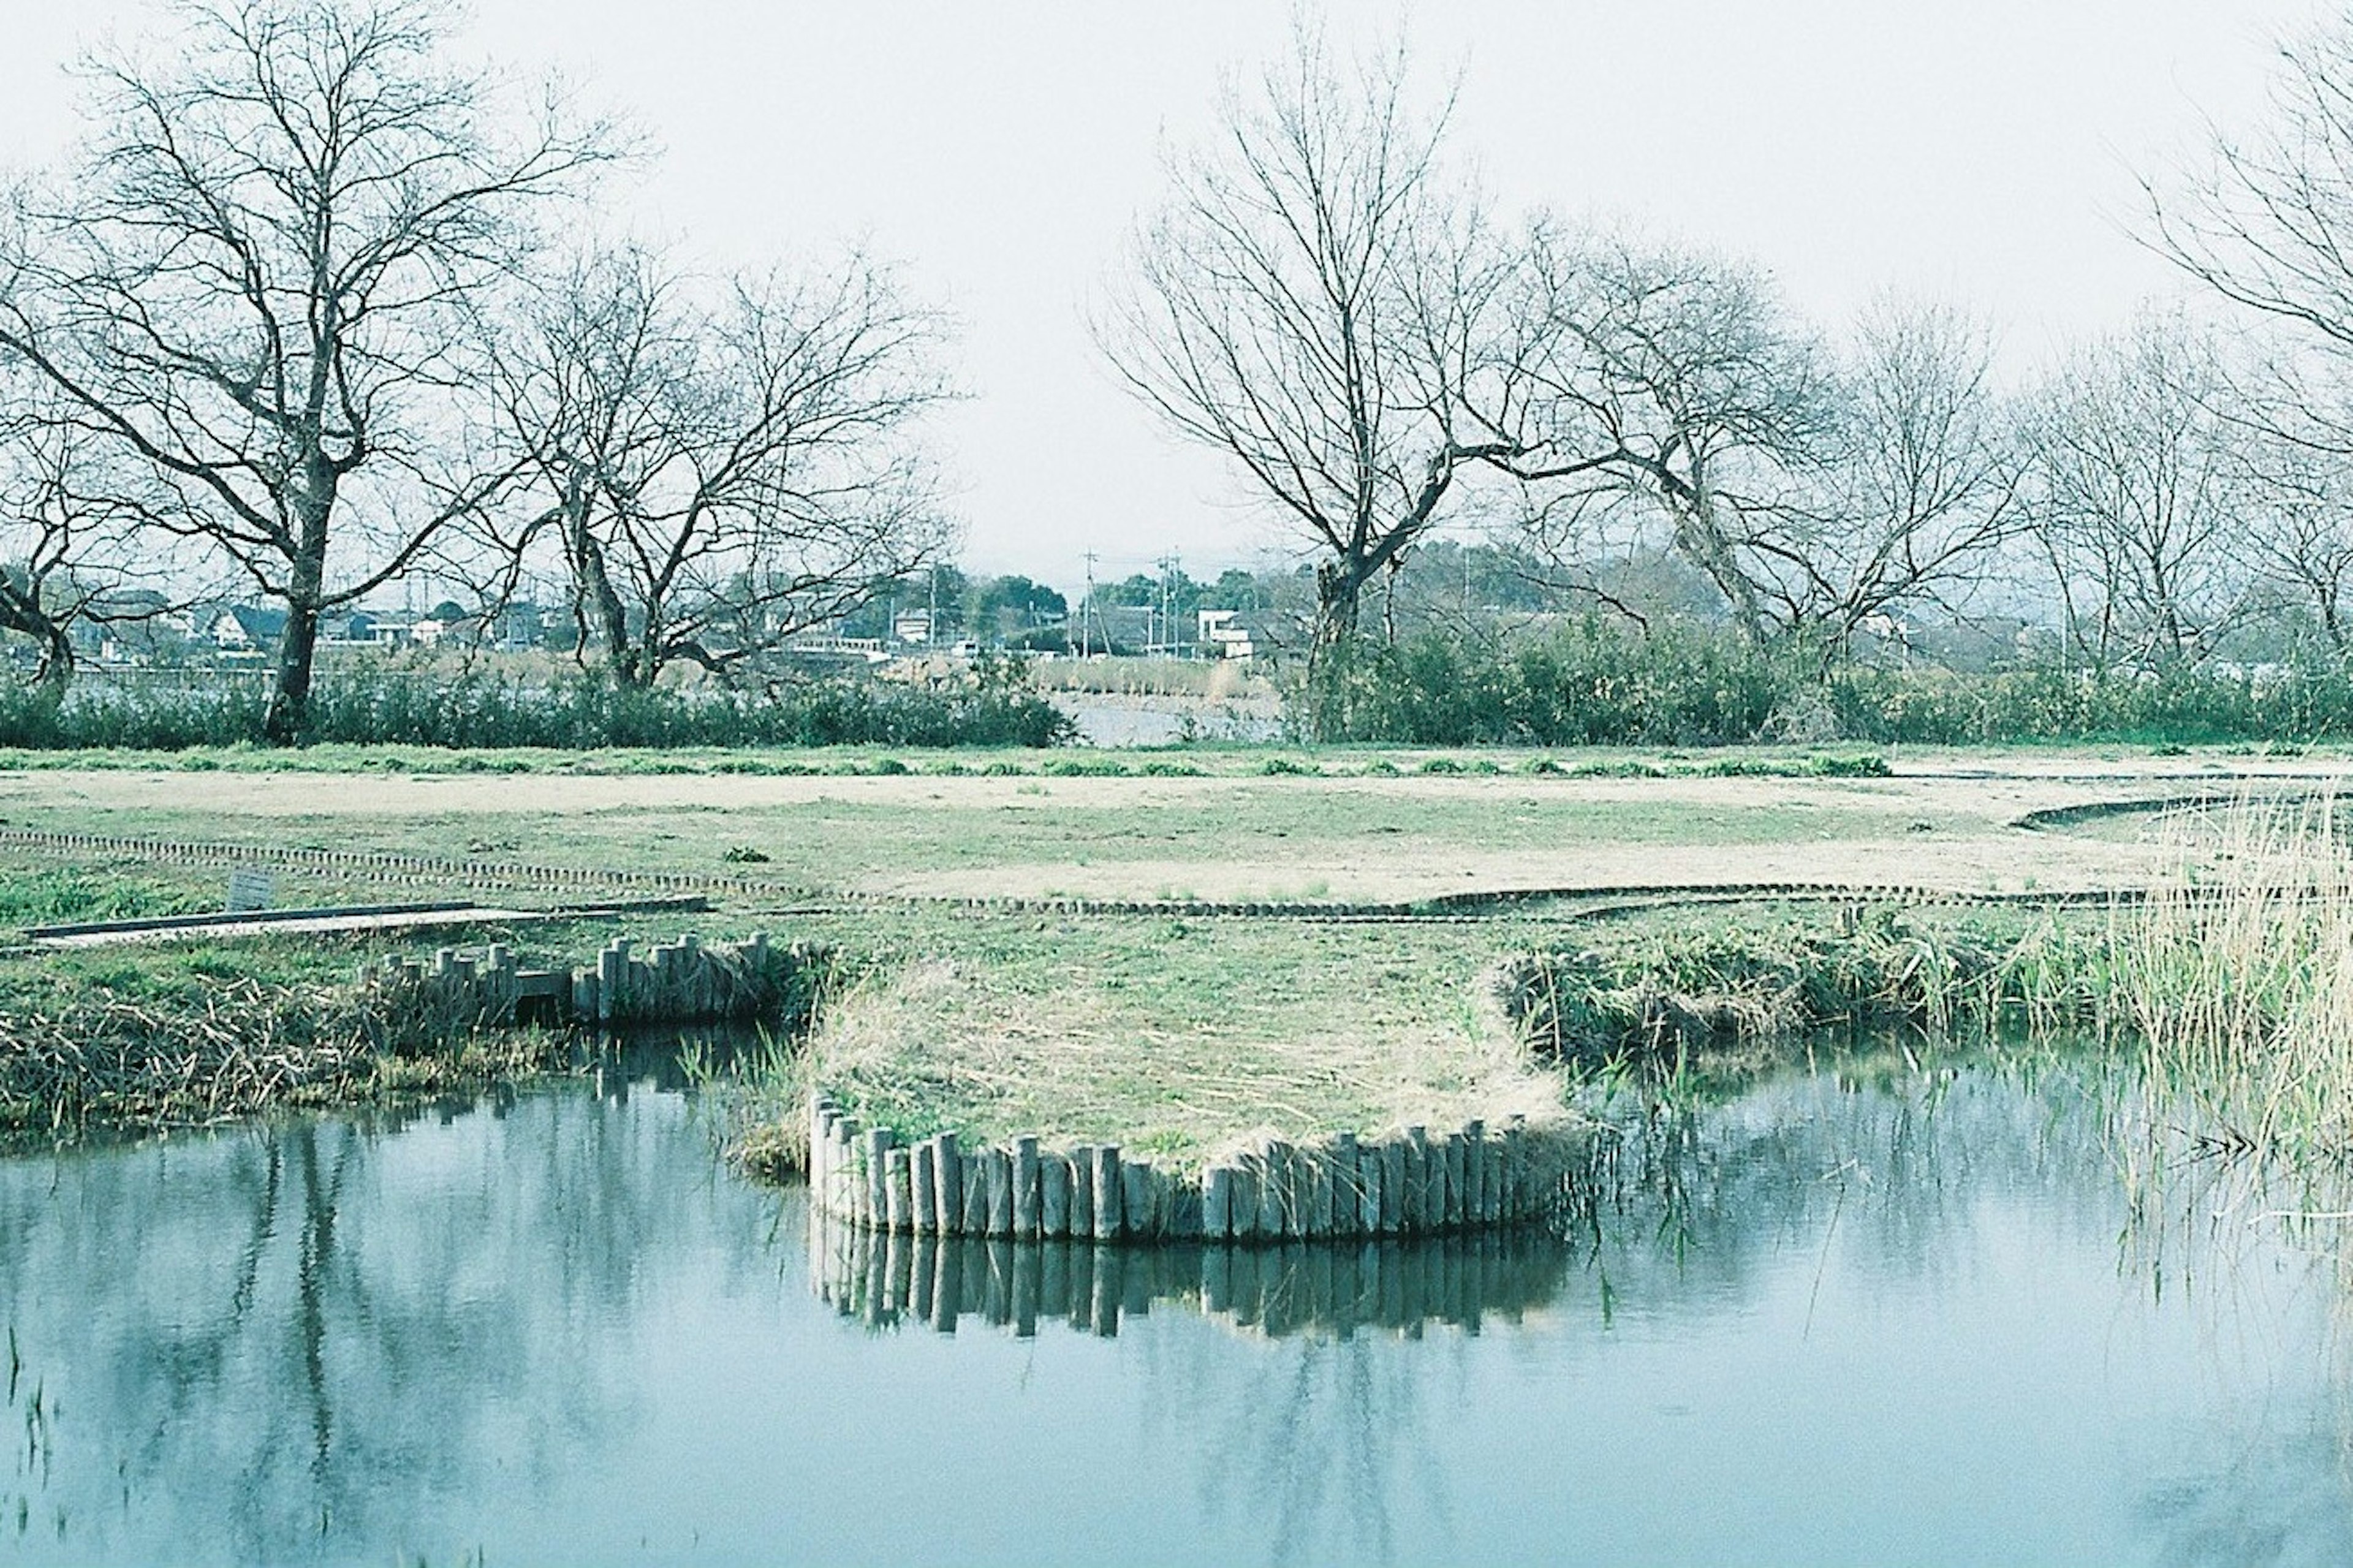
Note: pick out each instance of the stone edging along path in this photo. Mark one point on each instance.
(1414, 1184)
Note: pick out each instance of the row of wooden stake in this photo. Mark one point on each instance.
(1412, 1184)
(686, 980)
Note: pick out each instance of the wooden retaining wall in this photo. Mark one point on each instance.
(1333, 1189)
(1336, 1290)
(685, 982)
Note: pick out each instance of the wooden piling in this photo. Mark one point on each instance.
(947, 1185)
(1344, 1184)
(1319, 1185)
(1246, 1206)
(1393, 1160)
(1110, 1194)
(1274, 1190)
(878, 1175)
(1135, 1221)
(1024, 1218)
(1083, 1192)
(1217, 1203)
(1458, 1170)
(999, 1167)
(922, 1191)
(974, 1220)
(1053, 1196)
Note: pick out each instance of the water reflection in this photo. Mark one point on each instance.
(1868, 1312)
(1320, 1289)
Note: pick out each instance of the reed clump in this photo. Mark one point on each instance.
(246, 1047)
(2235, 975)
(1692, 988)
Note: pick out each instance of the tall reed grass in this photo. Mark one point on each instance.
(2236, 977)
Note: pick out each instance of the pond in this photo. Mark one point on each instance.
(1861, 1313)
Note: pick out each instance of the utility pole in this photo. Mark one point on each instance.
(1087, 604)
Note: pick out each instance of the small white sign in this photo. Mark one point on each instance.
(251, 888)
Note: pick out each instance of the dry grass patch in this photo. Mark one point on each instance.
(994, 1052)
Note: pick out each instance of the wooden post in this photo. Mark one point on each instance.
(1393, 1174)
(1245, 1208)
(878, 1175)
(1458, 1166)
(898, 1197)
(1217, 1203)
(1109, 1194)
(999, 1166)
(1344, 1184)
(1514, 1160)
(1274, 1192)
(1299, 1184)
(1369, 1190)
(1136, 1218)
(1053, 1196)
(947, 1184)
(1474, 1172)
(1026, 1192)
(1083, 1192)
(1417, 1180)
(975, 1203)
(1319, 1163)
(922, 1193)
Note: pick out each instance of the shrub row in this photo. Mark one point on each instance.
(365, 707)
(1597, 683)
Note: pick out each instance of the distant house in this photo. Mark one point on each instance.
(1223, 636)
(247, 628)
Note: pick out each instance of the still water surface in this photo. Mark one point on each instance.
(1849, 1317)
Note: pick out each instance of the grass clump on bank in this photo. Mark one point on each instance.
(243, 1047)
(1678, 990)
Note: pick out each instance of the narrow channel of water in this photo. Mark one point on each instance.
(1848, 1317)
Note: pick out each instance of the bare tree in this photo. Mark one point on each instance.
(1279, 309)
(2267, 222)
(1666, 384)
(1913, 491)
(724, 465)
(2137, 496)
(73, 551)
(263, 284)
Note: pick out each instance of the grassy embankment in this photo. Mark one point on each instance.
(1169, 1034)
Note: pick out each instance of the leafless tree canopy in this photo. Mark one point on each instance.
(2139, 490)
(264, 280)
(723, 464)
(1296, 305)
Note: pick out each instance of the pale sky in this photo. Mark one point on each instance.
(1982, 151)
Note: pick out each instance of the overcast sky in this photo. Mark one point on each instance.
(1981, 151)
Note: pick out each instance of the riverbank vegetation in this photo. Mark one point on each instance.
(1008, 974)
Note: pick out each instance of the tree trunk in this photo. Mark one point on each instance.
(593, 586)
(290, 697)
(1339, 593)
(56, 671)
